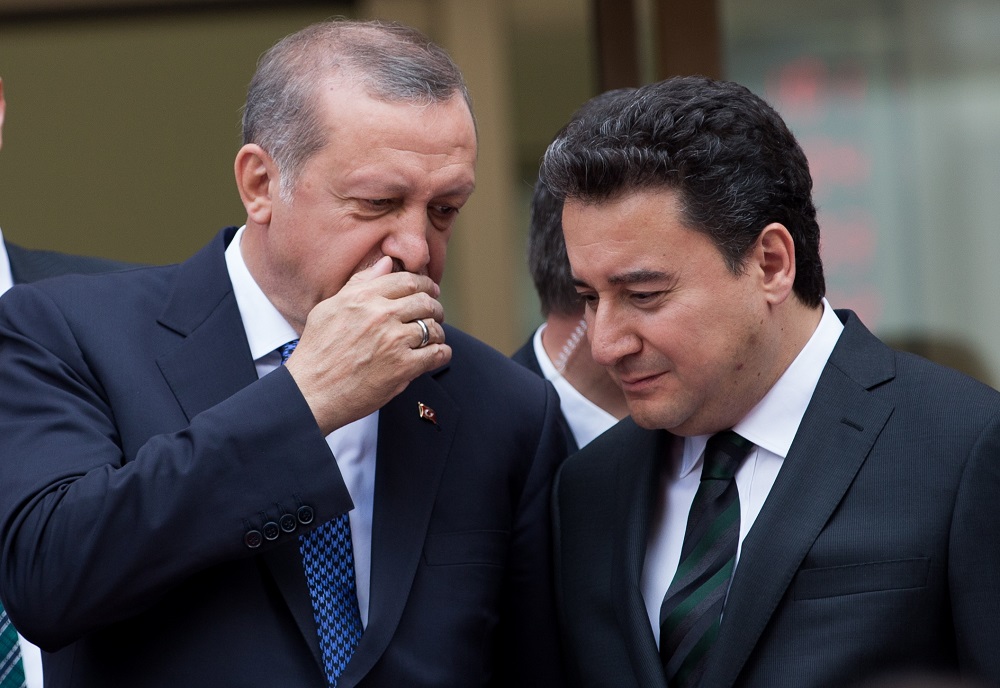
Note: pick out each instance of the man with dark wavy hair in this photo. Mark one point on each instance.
(273, 464)
(792, 503)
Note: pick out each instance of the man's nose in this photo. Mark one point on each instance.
(407, 243)
(611, 339)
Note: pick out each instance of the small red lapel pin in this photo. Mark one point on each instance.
(427, 413)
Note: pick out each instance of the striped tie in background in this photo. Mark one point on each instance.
(11, 669)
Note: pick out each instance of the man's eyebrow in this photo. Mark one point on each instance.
(365, 187)
(637, 276)
(631, 277)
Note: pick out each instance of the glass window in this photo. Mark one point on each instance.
(897, 105)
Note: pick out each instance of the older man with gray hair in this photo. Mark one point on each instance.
(274, 464)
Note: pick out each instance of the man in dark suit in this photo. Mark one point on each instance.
(190, 492)
(20, 265)
(792, 503)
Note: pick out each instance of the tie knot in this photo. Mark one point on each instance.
(287, 349)
(724, 454)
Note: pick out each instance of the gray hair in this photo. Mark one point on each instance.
(393, 63)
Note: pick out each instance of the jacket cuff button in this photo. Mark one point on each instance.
(253, 539)
(306, 515)
(288, 523)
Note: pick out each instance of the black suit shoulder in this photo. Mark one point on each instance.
(31, 265)
(924, 394)
(526, 356)
(948, 412)
(95, 305)
(923, 372)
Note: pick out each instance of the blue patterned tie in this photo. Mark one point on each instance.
(328, 560)
(11, 669)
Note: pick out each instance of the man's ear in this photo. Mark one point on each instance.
(774, 255)
(257, 180)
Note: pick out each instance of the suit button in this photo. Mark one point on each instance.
(306, 515)
(271, 530)
(253, 539)
(288, 523)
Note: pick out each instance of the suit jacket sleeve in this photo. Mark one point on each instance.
(91, 536)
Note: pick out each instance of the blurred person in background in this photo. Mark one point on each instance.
(590, 399)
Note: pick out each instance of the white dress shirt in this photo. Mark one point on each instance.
(6, 278)
(586, 419)
(353, 445)
(771, 425)
(30, 654)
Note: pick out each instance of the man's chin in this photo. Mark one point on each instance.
(645, 416)
(652, 416)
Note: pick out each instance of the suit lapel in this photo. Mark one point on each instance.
(412, 453)
(212, 361)
(834, 438)
(638, 481)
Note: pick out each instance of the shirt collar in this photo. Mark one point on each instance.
(265, 327)
(6, 276)
(773, 422)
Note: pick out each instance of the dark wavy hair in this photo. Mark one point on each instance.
(728, 155)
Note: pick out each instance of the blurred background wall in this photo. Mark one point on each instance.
(123, 121)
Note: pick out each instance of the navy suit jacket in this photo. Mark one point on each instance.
(141, 455)
(527, 358)
(877, 549)
(31, 265)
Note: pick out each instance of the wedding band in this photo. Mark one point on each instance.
(425, 334)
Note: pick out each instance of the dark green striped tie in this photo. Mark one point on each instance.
(692, 608)
(11, 670)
